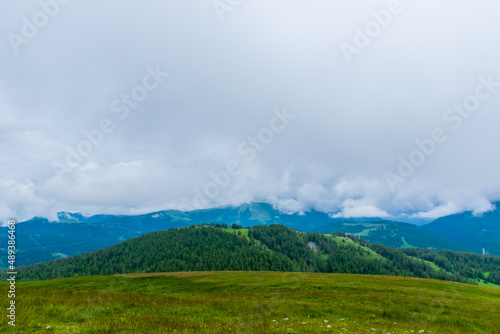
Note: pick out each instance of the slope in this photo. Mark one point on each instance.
(252, 302)
(391, 233)
(474, 232)
(260, 248)
(40, 240)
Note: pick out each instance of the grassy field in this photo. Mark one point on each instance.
(252, 302)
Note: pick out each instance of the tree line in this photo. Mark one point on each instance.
(212, 247)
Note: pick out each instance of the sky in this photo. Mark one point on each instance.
(355, 108)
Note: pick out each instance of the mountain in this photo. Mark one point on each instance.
(260, 214)
(391, 233)
(39, 240)
(215, 247)
(472, 231)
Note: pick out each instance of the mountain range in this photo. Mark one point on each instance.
(477, 233)
(216, 247)
(39, 240)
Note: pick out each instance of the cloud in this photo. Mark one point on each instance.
(288, 206)
(439, 211)
(477, 207)
(357, 209)
(353, 121)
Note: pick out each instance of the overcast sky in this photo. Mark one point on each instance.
(303, 104)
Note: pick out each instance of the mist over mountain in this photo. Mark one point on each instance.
(74, 233)
(479, 233)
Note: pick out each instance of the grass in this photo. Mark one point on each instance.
(406, 244)
(244, 231)
(252, 302)
(486, 283)
(480, 282)
(344, 241)
(369, 228)
(430, 263)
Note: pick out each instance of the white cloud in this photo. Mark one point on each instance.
(358, 208)
(353, 120)
(463, 202)
(288, 206)
(439, 211)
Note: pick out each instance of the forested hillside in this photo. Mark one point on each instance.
(260, 248)
(480, 267)
(392, 234)
(39, 240)
(477, 233)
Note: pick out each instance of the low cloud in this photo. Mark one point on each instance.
(357, 209)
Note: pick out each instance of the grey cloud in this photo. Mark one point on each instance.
(353, 120)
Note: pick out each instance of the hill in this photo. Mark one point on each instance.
(472, 231)
(39, 240)
(260, 248)
(391, 233)
(252, 302)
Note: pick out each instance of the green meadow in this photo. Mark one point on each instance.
(251, 302)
